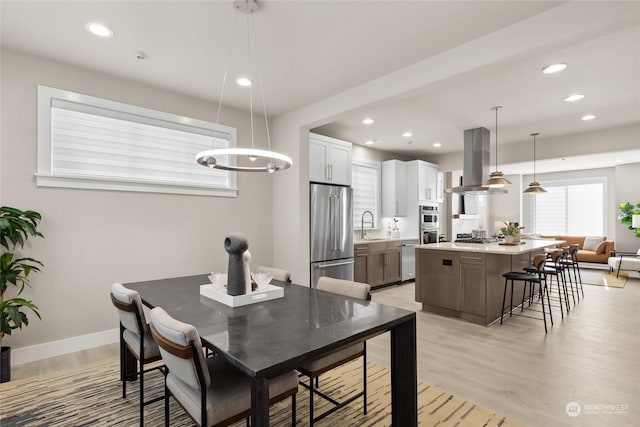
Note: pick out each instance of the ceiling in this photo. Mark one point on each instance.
(313, 50)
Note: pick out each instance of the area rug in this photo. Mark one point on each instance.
(92, 396)
(603, 278)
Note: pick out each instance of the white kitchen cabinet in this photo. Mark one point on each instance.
(329, 160)
(422, 182)
(440, 187)
(427, 182)
(394, 188)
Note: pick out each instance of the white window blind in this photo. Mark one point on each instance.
(570, 208)
(365, 182)
(94, 143)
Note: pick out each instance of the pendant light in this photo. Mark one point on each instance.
(233, 158)
(534, 187)
(497, 179)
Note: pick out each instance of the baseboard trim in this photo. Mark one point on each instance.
(36, 352)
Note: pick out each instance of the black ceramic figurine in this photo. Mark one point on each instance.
(236, 244)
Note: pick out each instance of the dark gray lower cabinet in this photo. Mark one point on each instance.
(378, 263)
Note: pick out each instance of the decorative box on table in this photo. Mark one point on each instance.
(219, 293)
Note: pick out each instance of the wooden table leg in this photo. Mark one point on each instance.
(404, 380)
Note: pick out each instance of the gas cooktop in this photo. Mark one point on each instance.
(477, 240)
(468, 238)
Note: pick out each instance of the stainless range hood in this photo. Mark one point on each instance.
(475, 169)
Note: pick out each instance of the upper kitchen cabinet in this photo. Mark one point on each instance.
(394, 188)
(422, 181)
(329, 160)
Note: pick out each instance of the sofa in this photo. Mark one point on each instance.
(599, 254)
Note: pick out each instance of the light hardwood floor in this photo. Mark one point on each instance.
(514, 369)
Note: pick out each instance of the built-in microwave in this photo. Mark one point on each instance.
(429, 236)
(429, 216)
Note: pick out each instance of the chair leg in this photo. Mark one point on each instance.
(311, 401)
(524, 291)
(364, 378)
(141, 387)
(504, 298)
(544, 316)
(559, 296)
(511, 306)
(548, 300)
(166, 402)
(580, 278)
(293, 410)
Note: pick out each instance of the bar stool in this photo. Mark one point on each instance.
(529, 279)
(553, 267)
(571, 263)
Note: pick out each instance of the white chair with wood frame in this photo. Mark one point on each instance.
(134, 335)
(277, 273)
(326, 363)
(210, 389)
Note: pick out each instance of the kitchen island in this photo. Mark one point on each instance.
(464, 280)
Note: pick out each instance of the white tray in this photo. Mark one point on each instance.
(267, 293)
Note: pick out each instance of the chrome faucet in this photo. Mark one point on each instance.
(362, 232)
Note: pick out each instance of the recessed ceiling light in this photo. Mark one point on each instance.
(243, 81)
(407, 134)
(437, 144)
(368, 121)
(574, 97)
(369, 142)
(588, 117)
(554, 68)
(98, 29)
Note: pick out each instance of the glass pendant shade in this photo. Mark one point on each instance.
(496, 179)
(534, 186)
(234, 158)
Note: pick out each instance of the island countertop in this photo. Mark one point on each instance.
(492, 248)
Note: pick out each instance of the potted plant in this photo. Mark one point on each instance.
(511, 232)
(627, 211)
(16, 226)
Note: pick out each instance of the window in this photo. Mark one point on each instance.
(88, 142)
(365, 182)
(570, 208)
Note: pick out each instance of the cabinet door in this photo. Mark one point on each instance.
(339, 160)
(440, 279)
(432, 183)
(360, 267)
(392, 269)
(440, 187)
(375, 268)
(401, 190)
(318, 167)
(473, 287)
(422, 182)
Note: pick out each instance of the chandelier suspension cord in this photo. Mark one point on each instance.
(251, 85)
(224, 77)
(534, 157)
(496, 108)
(264, 105)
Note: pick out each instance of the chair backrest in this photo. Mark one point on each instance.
(180, 348)
(129, 306)
(539, 260)
(556, 255)
(344, 287)
(278, 274)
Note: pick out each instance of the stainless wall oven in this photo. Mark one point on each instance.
(429, 216)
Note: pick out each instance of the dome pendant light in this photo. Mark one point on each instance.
(497, 179)
(534, 187)
(233, 158)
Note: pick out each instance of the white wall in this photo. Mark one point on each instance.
(627, 189)
(94, 238)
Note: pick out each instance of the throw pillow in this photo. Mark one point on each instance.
(600, 248)
(590, 243)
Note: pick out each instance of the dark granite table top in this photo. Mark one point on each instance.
(270, 337)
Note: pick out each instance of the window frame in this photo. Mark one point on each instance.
(45, 177)
(576, 181)
(377, 165)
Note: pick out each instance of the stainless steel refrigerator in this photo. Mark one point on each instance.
(331, 209)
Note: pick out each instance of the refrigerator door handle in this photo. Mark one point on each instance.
(334, 264)
(339, 220)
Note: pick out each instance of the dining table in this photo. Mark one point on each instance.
(268, 338)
